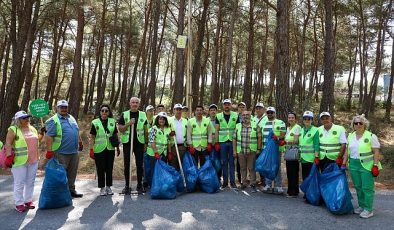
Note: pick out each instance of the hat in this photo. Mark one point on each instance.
(213, 106)
(324, 114)
(149, 107)
(185, 108)
(162, 114)
(272, 109)
(21, 114)
(259, 104)
(242, 103)
(308, 114)
(178, 106)
(62, 103)
(226, 101)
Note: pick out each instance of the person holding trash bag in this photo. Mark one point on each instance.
(332, 141)
(363, 154)
(149, 110)
(292, 166)
(23, 139)
(259, 118)
(213, 109)
(199, 136)
(309, 144)
(104, 141)
(178, 125)
(63, 142)
(133, 118)
(246, 141)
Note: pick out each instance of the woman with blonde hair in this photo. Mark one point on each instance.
(364, 165)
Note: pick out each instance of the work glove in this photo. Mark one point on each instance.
(339, 161)
(282, 142)
(157, 156)
(317, 160)
(91, 153)
(209, 147)
(217, 147)
(169, 156)
(49, 154)
(275, 137)
(375, 171)
(80, 146)
(192, 150)
(9, 161)
(172, 133)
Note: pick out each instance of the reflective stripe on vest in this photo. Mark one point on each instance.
(268, 125)
(199, 132)
(329, 145)
(124, 137)
(364, 149)
(226, 129)
(161, 141)
(20, 145)
(290, 137)
(101, 141)
(307, 149)
(252, 137)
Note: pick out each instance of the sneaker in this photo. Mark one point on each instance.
(29, 205)
(109, 191)
(266, 188)
(253, 188)
(225, 185)
(103, 192)
(126, 190)
(243, 186)
(20, 208)
(279, 190)
(358, 210)
(291, 196)
(232, 185)
(366, 214)
(140, 189)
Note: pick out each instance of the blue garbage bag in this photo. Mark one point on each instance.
(177, 177)
(147, 169)
(54, 192)
(334, 189)
(310, 186)
(191, 172)
(214, 157)
(207, 178)
(267, 164)
(164, 183)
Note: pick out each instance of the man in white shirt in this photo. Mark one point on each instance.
(178, 125)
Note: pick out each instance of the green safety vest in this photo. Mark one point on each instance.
(329, 145)
(199, 132)
(252, 137)
(101, 141)
(213, 127)
(306, 144)
(124, 137)
(364, 150)
(57, 140)
(171, 120)
(276, 127)
(1, 144)
(226, 129)
(161, 141)
(150, 125)
(20, 145)
(290, 136)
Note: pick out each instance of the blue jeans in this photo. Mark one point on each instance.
(227, 159)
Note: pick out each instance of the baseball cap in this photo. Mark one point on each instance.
(272, 109)
(307, 114)
(226, 101)
(259, 104)
(213, 106)
(324, 114)
(21, 114)
(149, 107)
(178, 106)
(62, 103)
(242, 103)
(185, 108)
(162, 114)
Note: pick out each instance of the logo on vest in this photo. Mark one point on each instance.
(194, 126)
(277, 127)
(233, 119)
(366, 140)
(141, 120)
(321, 135)
(309, 135)
(291, 134)
(334, 133)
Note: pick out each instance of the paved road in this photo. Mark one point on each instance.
(224, 210)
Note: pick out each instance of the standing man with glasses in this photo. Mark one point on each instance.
(178, 126)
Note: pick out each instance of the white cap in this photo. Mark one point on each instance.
(62, 103)
(213, 106)
(324, 114)
(178, 106)
(21, 114)
(259, 104)
(272, 109)
(227, 101)
(149, 107)
(308, 114)
(162, 114)
(242, 103)
(185, 107)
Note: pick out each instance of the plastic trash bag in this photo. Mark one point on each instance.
(267, 164)
(147, 169)
(207, 178)
(191, 172)
(214, 157)
(335, 190)
(54, 192)
(164, 183)
(310, 186)
(177, 177)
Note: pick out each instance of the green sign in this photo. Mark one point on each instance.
(182, 40)
(39, 108)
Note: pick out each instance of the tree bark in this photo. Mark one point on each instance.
(180, 58)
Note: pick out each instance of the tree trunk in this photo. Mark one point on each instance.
(247, 93)
(180, 58)
(215, 93)
(389, 103)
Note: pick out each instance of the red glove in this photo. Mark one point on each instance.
(217, 147)
(317, 160)
(169, 156)
(157, 156)
(91, 153)
(9, 160)
(192, 150)
(375, 171)
(275, 137)
(49, 154)
(209, 147)
(80, 145)
(339, 161)
(282, 142)
(172, 133)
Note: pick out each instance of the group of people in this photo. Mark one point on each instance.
(237, 138)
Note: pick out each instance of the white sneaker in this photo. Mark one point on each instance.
(109, 190)
(366, 214)
(279, 190)
(103, 192)
(266, 188)
(358, 210)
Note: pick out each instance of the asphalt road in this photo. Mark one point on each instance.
(224, 210)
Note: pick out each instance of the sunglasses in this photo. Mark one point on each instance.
(307, 119)
(105, 110)
(24, 118)
(270, 112)
(63, 107)
(358, 123)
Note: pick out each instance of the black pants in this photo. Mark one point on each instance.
(239, 172)
(292, 168)
(306, 169)
(138, 150)
(324, 163)
(200, 156)
(104, 166)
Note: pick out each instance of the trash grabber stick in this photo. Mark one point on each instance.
(180, 162)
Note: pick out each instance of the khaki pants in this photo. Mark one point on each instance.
(248, 163)
(70, 163)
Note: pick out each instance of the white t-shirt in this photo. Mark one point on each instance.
(178, 131)
(342, 136)
(353, 146)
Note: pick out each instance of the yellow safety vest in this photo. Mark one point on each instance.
(364, 150)
(329, 145)
(101, 141)
(199, 132)
(140, 127)
(306, 144)
(20, 145)
(226, 129)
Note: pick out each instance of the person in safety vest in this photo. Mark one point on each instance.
(199, 136)
(213, 109)
(364, 166)
(225, 126)
(292, 167)
(279, 129)
(185, 112)
(63, 142)
(240, 108)
(159, 145)
(23, 139)
(140, 141)
(150, 119)
(104, 141)
(332, 140)
(246, 141)
(178, 126)
(259, 118)
(309, 144)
